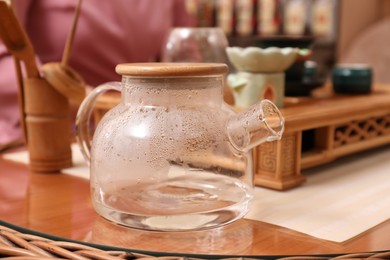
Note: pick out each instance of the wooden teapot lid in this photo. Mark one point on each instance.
(160, 69)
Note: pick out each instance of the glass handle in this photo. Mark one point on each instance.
(83, 135)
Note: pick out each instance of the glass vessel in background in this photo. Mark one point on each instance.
(198, 44)
(173, 155)
(201, 44)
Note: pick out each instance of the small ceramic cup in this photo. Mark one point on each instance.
(352, 78)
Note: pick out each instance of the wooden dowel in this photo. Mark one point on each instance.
(19, 78)
(69, 41)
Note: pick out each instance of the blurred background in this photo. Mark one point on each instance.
(348, 31)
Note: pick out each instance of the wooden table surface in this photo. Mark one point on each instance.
(59, 204)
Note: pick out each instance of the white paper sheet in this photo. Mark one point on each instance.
(339, 200)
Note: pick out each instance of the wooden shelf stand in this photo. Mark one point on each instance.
(319, 130)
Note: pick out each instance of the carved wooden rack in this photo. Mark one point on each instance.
(319, 130)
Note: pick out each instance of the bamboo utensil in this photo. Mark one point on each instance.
(62, 77)
(16, 39)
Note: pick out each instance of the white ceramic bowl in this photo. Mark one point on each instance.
(268, 60)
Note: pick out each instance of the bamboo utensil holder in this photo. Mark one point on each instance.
(48, 127)
(45, 109)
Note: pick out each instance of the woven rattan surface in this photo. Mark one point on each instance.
(19, 245)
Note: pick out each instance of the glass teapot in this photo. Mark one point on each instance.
(172, 155)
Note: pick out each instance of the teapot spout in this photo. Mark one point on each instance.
(262, 122)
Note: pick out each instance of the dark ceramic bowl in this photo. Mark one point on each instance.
(303, 85)
(301, 42)
(352, 78)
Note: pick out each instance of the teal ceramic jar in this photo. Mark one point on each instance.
(352, 78)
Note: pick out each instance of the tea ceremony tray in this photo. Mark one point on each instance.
(320, 129)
